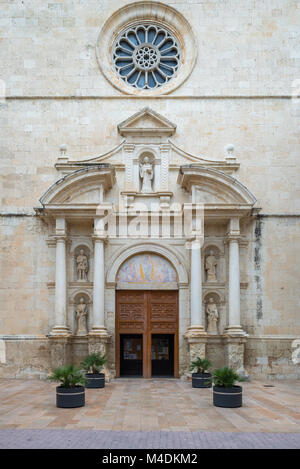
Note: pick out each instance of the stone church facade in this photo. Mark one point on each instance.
(150, 194)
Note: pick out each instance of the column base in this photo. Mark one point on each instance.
(99, 331)
(235, 331)
(195, 332)
(60, 331)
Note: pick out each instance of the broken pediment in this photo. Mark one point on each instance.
(147, 123)
(84, 186)
(210, 186)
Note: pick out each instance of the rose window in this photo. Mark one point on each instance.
(146, 56)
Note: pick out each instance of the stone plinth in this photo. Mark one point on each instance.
(197, 340)
(60, 351)
(235, 353)
(98, 343)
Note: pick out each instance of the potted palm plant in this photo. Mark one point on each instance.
(93, 365)
(225, 392)
(70, 392)
(200, 377)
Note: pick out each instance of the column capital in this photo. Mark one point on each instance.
(60, 237)
(232, 237)
(129, 147)
(99, 237)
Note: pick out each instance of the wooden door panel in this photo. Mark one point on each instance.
(147, 312)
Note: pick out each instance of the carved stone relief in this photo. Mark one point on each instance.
(235, 356)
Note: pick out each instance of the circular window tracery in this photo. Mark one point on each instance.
(146, 56)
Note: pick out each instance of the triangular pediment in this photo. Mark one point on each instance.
(145, 123)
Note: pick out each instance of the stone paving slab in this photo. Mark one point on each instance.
(158, 405)
(98, 439)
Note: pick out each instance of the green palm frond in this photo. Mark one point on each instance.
(200, 365)
(225, 377)
(68, 376)
(94, 362)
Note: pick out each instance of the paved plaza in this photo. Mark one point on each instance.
(155, 413)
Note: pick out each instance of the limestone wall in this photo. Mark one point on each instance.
(239, 92)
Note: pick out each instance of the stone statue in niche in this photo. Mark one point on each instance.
(81, 313)
(212, 317)
(82, 266)
(146, 174)
(211, 267)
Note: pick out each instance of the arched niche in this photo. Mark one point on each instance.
(212, 255)
(74, 301)
(147, 157)
(78, 262)
(217, 300)
(146, 271)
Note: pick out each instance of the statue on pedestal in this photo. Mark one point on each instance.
(82, 266)
(212, 317)
(210, 267)
(81, 313)
(146, 174)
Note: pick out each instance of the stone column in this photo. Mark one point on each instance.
(98, 336)
(233, 238)
(60, 325)
(196, 335)
(98, 289)
(197, 322)
(59, 336)
(235, 336)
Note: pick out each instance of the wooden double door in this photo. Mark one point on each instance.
(147, 333)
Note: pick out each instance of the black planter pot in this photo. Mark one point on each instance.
(227, 397)
(70, 397)
(199, 380)
(95, 380)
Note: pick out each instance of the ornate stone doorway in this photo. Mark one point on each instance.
(147, 333)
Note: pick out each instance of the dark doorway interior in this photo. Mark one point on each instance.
(131, 355)
(162, 355)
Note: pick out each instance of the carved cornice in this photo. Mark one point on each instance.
(226, 166)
